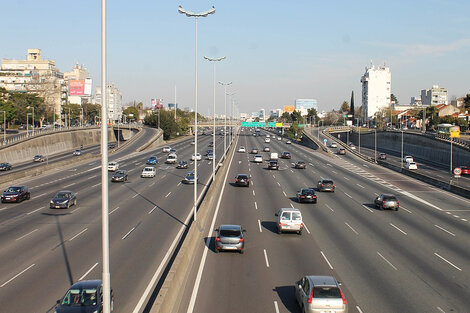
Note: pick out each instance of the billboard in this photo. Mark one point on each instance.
(156, 104)
(289, 108)
(88, 86)
(76, 87)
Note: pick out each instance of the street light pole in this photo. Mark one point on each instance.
(214, 157)
(4, 126)
(225, 116)
(196, 16)
(451, 141)
(175, 102)
(375, 146)
(401, 150)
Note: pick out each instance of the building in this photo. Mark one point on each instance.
(416, 101)
(436, 95)
(114, 102)
(306, 104)
(446, 110)
(262, 115)
(35, 75)
(459, 102)
(376, 90)
(79, 85)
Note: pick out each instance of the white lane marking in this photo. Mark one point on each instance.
(259, 224)
(406, 193)
(168, 194)
(92, 177)
(276, 307)
(443, 229)
(398, 229)
(3, 285)
(370, 210)
(328, 262)
(91, 163)
(266, 258)
(274, 176)
(135, 195)
(376, 194)
(256, 206)
(69, 185)
(346, 178)
(254, 193)
(440, 310)
(329, 164)
(365, 165)
(329, 207)
(78, 234)
(351, 228)
(284, 193)
(405, 209)
(26, 234)
(456, 216)
(359, 309)
(42, 194)
(311, 164)
(292, 206)
(2, 209)
(448, 213)
(335, 172)
(96, 185)
(35, 211)
(138, 163)
(128, 233)
(360, 186)
(305, 225)
(113, 210)
(74, 209)
(447, 261)
(463, 219)
(88, 272)
(179, 184)
(152, 184)
(348, 195)
(389, 263)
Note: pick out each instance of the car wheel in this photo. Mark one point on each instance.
(279, 231)
(299, 232)
(28, 197)
(242, 251)
(216, 250)
(396, 209)
(68, 205)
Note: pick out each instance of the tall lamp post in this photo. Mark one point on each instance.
(4, 126)
(27, 123)
(225, 116)
(32, 116)
(214, 60)
(196, 16)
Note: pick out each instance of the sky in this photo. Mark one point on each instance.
(276, 51)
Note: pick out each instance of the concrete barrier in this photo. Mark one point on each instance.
(154, 142)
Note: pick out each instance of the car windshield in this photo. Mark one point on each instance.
(62, 195)
(80, 297)
(13, 189)
(301, 162)
(230, 233)
(37, 156)
(119, 173)
(326, 292)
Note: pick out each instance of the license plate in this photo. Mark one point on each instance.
(230, 247)
(7, 198)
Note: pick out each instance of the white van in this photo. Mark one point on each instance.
(274, 156)
(172, 158)
(289, 220)
(148, 171)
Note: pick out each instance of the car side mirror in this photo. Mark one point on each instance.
(216, 229)
(275, 214)
(58, 301)
(340, 283)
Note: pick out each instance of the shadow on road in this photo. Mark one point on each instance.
(269, 225)
(287, 296)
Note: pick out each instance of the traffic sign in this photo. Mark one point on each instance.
(457, 171)
(325, 141)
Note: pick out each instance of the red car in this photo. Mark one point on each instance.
(465, 170)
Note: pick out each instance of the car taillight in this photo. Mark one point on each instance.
(315, 197)
(237, 180)
(217, 239)
(242, 239)
(302, 196)
(301, 225)
(333, 185)
(247, 180)
(310, 298)
(383, 201)
(342, 296)
(322, 185)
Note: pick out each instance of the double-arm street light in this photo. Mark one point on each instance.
(214, 60)
(225, 116)
(196, 16)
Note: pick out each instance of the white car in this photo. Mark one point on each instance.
(267, 136)
(171, 159)
(166, 149)
(113, 166)
(333, 145)
(148, 171)
(192, 142)
(288, 142)
(411, 166)
(241, 149)
(258, 159)
(352, 146)
(267, 139)
(408, 158)
(279, 138)
(198, 157)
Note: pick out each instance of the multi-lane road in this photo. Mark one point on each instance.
(44, 251)
(413, 260)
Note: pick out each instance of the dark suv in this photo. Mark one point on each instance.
(326, 185)
(242, 180)
(273, 165)
(16, 194)
(387, 201)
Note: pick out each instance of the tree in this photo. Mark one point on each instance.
(131, 112)
(90, 112)
(285, 118)
(351, 108)
(296, 117)
(333, 118)
(312, 115)
(295, 131)
(466, 101)
(394, 99)
(344, 107)
(21, 102)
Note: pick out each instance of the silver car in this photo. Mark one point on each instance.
(387, 201)
(319, 294)
(229, 237)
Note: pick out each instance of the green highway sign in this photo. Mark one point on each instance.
(271, 124)
(254, 124)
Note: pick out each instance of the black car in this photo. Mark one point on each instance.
(182, 164)
(5, 166)
(273, 165)
(306, 195)
(84, 296)
(326, 185)
(16, 194)
(242, 180)
(300, 164)
(209, 151)
(285, 155)
(63, 200)
(119, 176)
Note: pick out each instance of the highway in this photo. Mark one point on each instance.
(44, 251)
(413, 260)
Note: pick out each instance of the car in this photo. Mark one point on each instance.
(267, 140)
(229, 237)
(341, 151)
(242, 149)
(326, 185)
(152, 160)
(22, 126)
(333, 145)
(193, 143)
(120, 176)
(113, 166)
(352, 147)
(254, 151)
(63, 200)
(268, 136)
(198, 157)
(382, 156)
(300, 165)
(5, 166)
(39, 158)
(258, 159)
(77, 152)
(408, 158)
(273, 165)
(306, 195)
(411, 166)
(166, 149)
(208, 151)
(285, 155)
(182, 164)
(266, 149)
(387, 201)
(211, 144)
(288, 142)
(242, 180)
(16, 194)
(172, 151)
(171, 159)
(289, 220)
(83, 296)
(148, 171)
(111, 145)
(465, 170)
(189, 178)
(273, 156)
(279, 138)
(210, 156)
(320, 294)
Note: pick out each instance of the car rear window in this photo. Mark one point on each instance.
(296, 216)
(327, 182)
(326, 292)
(308, 192)
(242, 177)
(229, 233)
(390, 198)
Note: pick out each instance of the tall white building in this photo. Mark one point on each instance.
(436, 95)
(114, 101)
(376, 90)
